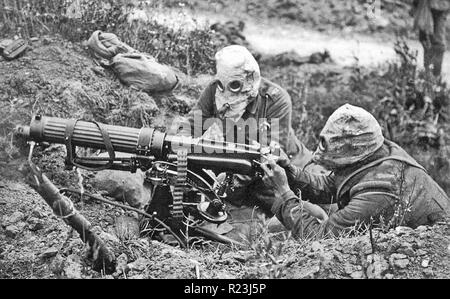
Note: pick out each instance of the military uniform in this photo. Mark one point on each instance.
(434, 42)
(388, 182)
(272, 102)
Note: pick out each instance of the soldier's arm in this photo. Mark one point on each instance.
(317, 188)
(365, 205)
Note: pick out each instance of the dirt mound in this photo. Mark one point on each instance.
(36, 244)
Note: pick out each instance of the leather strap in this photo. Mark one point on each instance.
(373, 164)
(71, 155)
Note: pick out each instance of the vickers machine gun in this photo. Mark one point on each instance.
(176, 165)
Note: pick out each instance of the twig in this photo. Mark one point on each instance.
(101, 199)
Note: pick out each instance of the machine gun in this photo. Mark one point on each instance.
(177, 165)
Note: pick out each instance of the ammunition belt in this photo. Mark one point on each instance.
(180, 187)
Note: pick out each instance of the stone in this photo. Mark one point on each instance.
(138, 265)
(37, 213)
(428, 272)
(377, 266)
(50, 252)
(422, 228)
(35, 224)
(399, 260)
(73, 267)
(14, 218)
(316, 246)
(121, 263)
(402, 264)
(12, 231)
(425, 263)
(108, 238)
(421, 252)
(402, 230)
(407, 249)
(357, 275)
(123, 186)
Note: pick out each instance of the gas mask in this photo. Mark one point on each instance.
(238, 81)
(350, 135)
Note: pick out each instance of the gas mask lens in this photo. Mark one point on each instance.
(235, 86)
(322, 144)
(220, 86)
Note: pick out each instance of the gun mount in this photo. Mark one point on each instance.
(177, 165)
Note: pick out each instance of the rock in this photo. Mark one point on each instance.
(406, 248)
(421, 228)
(37, 213)
(35, 224)
(50, 252)
(12, 231)
(428, 272)
(349, 268)
(109, 238)
(138, 265)
(377, 266)
(14, 218)
(73, 267)
(357, 275)
(57, 265)
(126, 228)
(399, 260)
(402, 264)
(421, 252)
(308, 271)
(241, 256)
(99, 71)
(316, 246)
(402, 230)
(425, 263)
(123, 186)
(46, 41)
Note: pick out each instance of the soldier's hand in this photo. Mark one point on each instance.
(283, 160)
(275, 177)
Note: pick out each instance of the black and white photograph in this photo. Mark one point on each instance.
(223, 145)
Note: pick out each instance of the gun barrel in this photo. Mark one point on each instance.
(147, 142)
(88, 134)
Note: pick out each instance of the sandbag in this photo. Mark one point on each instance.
(144, 72)
(423, 19)
(107, 45)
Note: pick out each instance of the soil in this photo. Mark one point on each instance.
(60, 78)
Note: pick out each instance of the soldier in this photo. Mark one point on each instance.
(237, 95)
(372, 180)
(432, 33)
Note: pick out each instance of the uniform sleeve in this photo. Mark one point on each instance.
(364, 206)
(319, 189)
(204, 109)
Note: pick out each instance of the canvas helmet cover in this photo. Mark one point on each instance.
(350, 135)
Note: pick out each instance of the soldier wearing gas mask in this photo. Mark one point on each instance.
(373, 181)
(238, 99)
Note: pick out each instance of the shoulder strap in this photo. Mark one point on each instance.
(373, 164)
